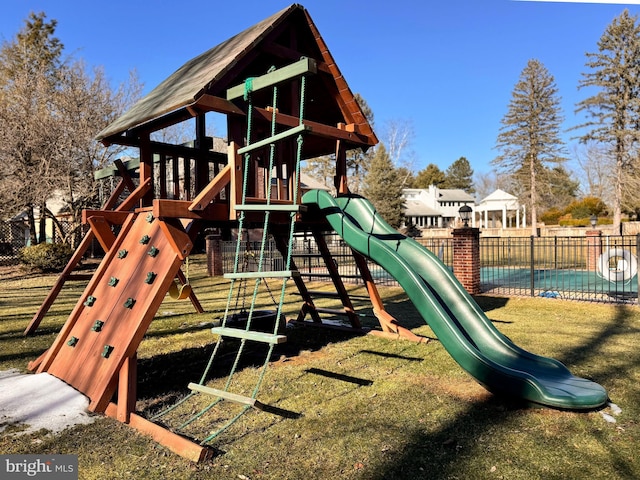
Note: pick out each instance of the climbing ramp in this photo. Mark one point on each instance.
(109, 321)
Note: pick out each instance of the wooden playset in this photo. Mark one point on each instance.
(285, 101)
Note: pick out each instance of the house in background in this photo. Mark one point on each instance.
(435, 207)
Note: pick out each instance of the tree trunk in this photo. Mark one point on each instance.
(43, 224)
(534, 200)
(33, 239)
(617, 204)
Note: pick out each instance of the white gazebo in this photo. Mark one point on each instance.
(502, 204)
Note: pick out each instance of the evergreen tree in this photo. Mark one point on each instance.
(614, 112)
(459, 175)
(558, 188)
(357, 160)
(383, 187)
(430, 175)
(529, 137)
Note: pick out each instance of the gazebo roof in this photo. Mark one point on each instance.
(499, 196)
(276, 41)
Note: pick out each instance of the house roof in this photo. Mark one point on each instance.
(454, 195)
(279, 40)
(414, 208)
(498, 200)
(498, 196)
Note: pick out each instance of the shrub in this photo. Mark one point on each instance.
(46, 257)
(551, 216)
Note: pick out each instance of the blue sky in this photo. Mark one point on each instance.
(446, 67)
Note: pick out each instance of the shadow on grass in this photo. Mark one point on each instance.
(621, 326)
(339, 376)
(458, 447)
(167, 375)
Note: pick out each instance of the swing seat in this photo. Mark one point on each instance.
(181, 292)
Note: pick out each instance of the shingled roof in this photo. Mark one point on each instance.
(276, 41)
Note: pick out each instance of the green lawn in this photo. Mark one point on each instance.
(359, 407)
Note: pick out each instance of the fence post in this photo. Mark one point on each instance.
(466, 258)
(532, 266)
(638, 255)
(214, 255)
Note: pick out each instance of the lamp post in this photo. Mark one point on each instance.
(465, 214)
(594, 221)
(466, 252)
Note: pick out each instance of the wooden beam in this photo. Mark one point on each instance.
(290, 54)
(215, 186)
(156, 124)
(298, 129)
(124, 174)
(318, 129)
(301, 67)
(177, 237)
(173, 150)
(180, 209)
(136, 195)
(211, 103)
(114, 217)
(174, 442)
(336, 278)
(102, 231)
(192, 295)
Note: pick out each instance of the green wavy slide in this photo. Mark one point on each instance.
(456, 319)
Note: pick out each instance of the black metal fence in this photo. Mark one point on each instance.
(597, 269)
(600, 269)
(310, 263)
(12, 239)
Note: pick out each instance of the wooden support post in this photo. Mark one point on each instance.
(192, 295)
(308, 306)
(337, 279)
(235, 162)
(390, 326)
(127, 388)
(340, 180)
(146, 167)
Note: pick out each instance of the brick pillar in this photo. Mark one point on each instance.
(214, 255)
(466, 258)
(594, 249)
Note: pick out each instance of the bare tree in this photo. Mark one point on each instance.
(596, 165)
(85, 104)
(614, 111)
(50, 111)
